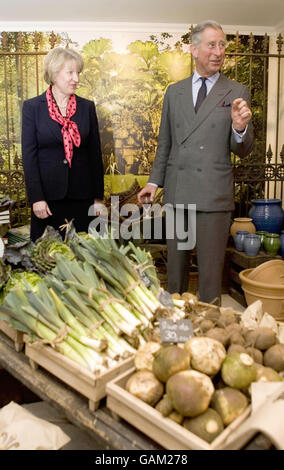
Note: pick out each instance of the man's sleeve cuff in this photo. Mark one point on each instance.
(239, 135)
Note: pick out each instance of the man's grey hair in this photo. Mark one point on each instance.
(196, 35)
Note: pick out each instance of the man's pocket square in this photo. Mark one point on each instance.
(224, 104)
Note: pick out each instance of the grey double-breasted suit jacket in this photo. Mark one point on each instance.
(193, 159)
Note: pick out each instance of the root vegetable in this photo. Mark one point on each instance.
(236, 348)
(212, 314)
(238, 370)
(229, 403)
(226, 318)
(237, 338)
(274, 357)
(188, 296)
(261, 338)
(266, 374)
(234, 327)
(176, 417)
(190, 392)
(176, 295)
(256, 354)
(206, 325)
(207, 426)
(165, 406)
(144, 357)
(206, 354)
(145, 386)
(220, 334)
(170, 360)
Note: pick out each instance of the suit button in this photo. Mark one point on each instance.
(199, 169)
(178, 126)
(201, 147)
(65, 161)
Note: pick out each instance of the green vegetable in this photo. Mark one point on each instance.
(22, 280)
(238, 370)
(45, 253)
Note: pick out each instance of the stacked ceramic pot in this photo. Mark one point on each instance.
(268, 217)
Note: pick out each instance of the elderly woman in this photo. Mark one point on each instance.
(61, 148)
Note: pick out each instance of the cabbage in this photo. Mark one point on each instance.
(22, 280)
(58, 248)
(46, 251)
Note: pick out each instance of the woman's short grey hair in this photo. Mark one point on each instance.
(196, 35)
(55, 60)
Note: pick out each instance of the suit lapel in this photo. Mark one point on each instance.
(78, 115)
(221, 88)
(53, 126)
(192, 120)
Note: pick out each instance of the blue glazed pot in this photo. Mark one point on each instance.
(252, 244)
(239, 239)
(282, 244)
(267, 215)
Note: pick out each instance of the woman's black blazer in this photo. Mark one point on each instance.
(47, 173)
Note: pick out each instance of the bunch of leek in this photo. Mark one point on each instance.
(79, 286)
(46, 318)
(118, 272)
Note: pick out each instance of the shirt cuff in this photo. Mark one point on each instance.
(153, 184)
(239, 136)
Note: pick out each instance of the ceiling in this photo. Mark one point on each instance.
(257, 13)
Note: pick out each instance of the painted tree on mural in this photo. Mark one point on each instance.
(128, 90)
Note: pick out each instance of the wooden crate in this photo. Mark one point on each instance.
(15, 335)
(163, 430)
(83, 381)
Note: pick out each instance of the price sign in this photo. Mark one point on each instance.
(175, 331)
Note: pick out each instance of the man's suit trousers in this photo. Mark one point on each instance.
(212, 230)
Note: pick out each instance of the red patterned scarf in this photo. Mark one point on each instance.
(69, 129)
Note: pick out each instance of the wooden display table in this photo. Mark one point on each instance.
(100, 424)
(237, 261)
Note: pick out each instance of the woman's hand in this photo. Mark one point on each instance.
(99, 207)
(41, 209)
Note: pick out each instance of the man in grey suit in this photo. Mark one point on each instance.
(205, 117)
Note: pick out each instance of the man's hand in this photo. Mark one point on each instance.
(241, 114)
(147, 194)
(41, 209)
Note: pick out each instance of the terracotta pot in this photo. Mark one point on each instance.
(242, 223)
(271, 295)
(270, 272)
